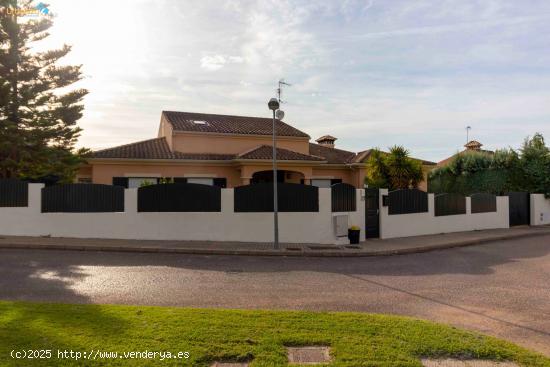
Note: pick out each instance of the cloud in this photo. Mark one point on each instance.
(216, 62)
(465, 26)
(371, 72)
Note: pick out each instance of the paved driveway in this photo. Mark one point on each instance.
(502, 289)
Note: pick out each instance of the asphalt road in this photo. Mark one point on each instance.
(501, 289)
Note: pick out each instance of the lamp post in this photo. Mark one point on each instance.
(273, 105)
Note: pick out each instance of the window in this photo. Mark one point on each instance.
(323, 183)
(136, 182)
(87, 180)
(201, 180)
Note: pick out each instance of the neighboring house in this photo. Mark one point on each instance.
(471, 146)
(225, 151)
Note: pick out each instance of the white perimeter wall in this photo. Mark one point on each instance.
(417, 224)
(316, 227)
(540, 210)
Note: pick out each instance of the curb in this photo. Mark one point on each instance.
(328, 253)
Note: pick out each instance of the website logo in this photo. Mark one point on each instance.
(43, 9)
(32, 11)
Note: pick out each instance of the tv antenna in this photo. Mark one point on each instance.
(468, 128)
(280, 89)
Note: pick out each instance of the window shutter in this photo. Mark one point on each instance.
(180, 180)
(220, 182)
(335, 181)
(120, 181)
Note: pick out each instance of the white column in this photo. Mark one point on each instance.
(360, 212)
(228, 201)
(35, 197)
(325, 201)
(383, 215)
(131, 201)
(431, 205)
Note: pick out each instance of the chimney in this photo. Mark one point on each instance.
(473, 145)
(326, 141)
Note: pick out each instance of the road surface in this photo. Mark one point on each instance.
(501, 289)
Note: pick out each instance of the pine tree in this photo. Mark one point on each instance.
(38, 116)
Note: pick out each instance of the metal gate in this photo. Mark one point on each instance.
(519, 208)
(372, 213)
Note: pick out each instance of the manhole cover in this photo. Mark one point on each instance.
(229, 364)
(308, 355)
(465, 363)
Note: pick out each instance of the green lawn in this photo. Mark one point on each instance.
(258, 336)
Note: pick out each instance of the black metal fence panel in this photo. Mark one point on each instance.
(450, 204)
(343, 197)
(483, 203)
(179, 197)
(14, 193)
(82, 198)
(407, 201)
(291, 198)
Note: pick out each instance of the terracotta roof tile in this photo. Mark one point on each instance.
(158, 149)
(266, 152)
(331, 155)
(226, 124)
(148, 149)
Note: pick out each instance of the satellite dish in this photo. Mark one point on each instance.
(280, 114)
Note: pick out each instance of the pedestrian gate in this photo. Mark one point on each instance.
(519, 208)
(372, 213)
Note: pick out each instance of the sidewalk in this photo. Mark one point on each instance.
(375, 247)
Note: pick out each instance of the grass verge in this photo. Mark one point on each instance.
(232, 335)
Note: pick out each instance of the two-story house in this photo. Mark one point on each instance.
(226, 151)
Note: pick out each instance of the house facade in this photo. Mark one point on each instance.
(226, 151)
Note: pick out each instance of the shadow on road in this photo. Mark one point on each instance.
(59, 269)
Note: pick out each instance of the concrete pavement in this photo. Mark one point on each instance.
(500, 288)
(371, 247)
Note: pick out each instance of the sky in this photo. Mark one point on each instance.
(373, 73)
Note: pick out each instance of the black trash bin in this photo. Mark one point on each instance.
(353, 235)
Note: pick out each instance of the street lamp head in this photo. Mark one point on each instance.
(273, 104)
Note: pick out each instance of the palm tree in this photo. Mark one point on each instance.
(393, 170)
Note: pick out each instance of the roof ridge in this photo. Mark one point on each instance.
(293, 151)
(251, 150)
(282, 150)
(222, 115)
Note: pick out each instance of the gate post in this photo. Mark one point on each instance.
(131, 201)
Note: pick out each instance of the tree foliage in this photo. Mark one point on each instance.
(393, 170)
(506, 170)
(38, 114)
